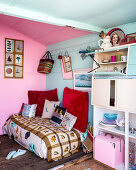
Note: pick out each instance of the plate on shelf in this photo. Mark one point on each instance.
(117, 31)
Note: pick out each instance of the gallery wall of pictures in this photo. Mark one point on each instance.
(14, 55)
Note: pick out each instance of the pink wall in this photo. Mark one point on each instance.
(13, 92)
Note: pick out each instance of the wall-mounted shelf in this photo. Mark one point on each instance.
(118, 62)
(112, 130)
(106, 73)
(127, 67)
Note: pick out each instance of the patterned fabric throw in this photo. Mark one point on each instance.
(60, 143)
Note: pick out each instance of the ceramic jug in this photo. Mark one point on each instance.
(121, 122)
(105, 43)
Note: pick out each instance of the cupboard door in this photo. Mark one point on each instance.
(101, 92)
(126, 94)
(131, 70)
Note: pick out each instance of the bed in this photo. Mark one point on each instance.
(42, 137)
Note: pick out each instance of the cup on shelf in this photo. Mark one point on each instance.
(118, 57)
(123, 58)
(113, 58)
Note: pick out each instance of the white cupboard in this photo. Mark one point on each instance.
(114, 96)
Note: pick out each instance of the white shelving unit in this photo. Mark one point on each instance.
(115, 95)
(98, 116)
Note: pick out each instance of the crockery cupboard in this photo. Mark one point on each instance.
(114, 93)
(114, 96)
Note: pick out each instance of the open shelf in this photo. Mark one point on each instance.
(118, 62)
(111, 129)
(106, 73)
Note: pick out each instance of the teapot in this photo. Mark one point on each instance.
(106, 43)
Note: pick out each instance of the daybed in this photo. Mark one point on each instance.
(41, 136)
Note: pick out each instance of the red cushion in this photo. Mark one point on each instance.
(38, 97)
(21, 110)
(77, 104)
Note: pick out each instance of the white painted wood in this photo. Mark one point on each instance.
(98, 114)
(42, 17)
(126, 140)
(109, 66)
(101, 92)
(126, 94)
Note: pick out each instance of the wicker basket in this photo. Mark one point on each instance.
(46, 63)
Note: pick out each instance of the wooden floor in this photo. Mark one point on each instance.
(30, 161)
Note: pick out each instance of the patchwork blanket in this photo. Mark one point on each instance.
(42, 137)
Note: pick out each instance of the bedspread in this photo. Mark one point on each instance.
(42, 137)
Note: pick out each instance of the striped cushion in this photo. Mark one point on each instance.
(58, 115)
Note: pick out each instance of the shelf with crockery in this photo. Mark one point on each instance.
(115, 61)
(111, 129)
(116, 131)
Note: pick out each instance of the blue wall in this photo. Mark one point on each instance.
(55, 79)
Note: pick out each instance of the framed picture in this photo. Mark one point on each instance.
(9, 45)
(19, 46)
(131, 35)
(82, 80)
(14, 53)
(9, 58)
(67, 63)
(18, 59)
(9, 71)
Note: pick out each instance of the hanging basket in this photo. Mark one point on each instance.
(46, 63)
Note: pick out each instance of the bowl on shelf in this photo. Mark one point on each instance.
(110, 116)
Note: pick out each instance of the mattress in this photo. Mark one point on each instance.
(42, 137)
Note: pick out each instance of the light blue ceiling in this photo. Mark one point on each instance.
(92, 14)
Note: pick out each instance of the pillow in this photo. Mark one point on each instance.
(68, 121)
(38, 97)
(77, 103)
(58, 115)
(29, 110)
(49, 107)
(22, 107)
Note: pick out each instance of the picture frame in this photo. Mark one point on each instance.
(14, 57)
(131, 35)
(82, 80)
(67, 63)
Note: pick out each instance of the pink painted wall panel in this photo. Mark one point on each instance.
(44, 33)
(13, 92)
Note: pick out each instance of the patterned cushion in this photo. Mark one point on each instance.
(29, 110)
(68, 121)
(49, 108)
(58, 115)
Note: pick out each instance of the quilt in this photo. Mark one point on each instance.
(42, 137)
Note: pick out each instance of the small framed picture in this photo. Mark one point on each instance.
(9, 45)
(67, 63)
(14, 55)
(18, 72)
(9, 58)
(131, 35)
(18, 59)
(19, 46)
(82, 80)
(9, 71)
